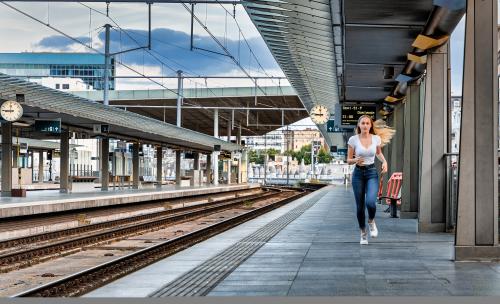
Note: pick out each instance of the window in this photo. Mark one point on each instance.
(65, 86)
(58, 86)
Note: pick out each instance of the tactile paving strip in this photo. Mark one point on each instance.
(202, 279)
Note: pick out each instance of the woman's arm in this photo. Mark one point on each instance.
(350, 156)
(381, 157)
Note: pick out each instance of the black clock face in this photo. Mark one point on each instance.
(319, 114)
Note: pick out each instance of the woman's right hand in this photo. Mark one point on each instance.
(358, 160)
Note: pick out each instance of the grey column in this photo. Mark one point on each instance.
(409, 190)
(196, 162)
(159, 166)
(209, 167)
(244, 166)
(6, 159)
(477, 221)
(215, 155)
(40, 166)
(229, 131)
(238, 137)
(104, 158)
(396, 157)
(432, 208)
(64, 163)
(178, 167)
(135, 166)
(229, 162)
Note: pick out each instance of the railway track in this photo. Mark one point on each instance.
(45, 245)
(84, 281)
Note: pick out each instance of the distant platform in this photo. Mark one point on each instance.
(49, 201)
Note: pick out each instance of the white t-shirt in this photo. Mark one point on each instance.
(368, 154)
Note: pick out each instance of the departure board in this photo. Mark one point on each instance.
(351, 113)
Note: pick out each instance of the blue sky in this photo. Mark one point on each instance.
(171, 26)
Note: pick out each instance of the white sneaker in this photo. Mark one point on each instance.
(373, 229)
(364, 238)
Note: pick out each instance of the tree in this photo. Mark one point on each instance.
(255, 157)
(303, 153)
(272, 153)
(323, 156)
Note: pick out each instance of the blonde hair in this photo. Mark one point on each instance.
(380, 128)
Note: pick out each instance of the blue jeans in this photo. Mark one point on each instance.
(365, 187)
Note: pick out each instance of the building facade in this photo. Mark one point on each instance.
(87, 67)
(296, 139)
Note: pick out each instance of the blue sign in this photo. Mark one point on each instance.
(332, 128)
(52, 126)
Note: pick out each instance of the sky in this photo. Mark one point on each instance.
(170, 41)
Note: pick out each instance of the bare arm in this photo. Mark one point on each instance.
(381, 157)
(351, 160)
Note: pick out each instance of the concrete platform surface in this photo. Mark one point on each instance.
(318, 254)
(48, 201)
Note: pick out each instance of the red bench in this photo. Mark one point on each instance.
(393, 194)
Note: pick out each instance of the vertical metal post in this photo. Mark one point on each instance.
(266, 158)
(40, 167)
(179, 97)
(287, 157)
(192, 25)
(6, 159)
(64, 163)
(178, 167)
(107, 65)
(159, 166)
(135, 166)
(104, 158)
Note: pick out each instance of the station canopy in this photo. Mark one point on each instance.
(80, 114)
(258, 111)
(335, 54)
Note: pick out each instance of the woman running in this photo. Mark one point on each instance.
(362, 149)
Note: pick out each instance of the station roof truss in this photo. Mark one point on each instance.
(257, 113)
(305, 39)
(340, 51)
(79, 113)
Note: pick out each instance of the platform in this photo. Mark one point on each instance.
(48, 201)
(317, 253)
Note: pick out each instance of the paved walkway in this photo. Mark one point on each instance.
(318, 254)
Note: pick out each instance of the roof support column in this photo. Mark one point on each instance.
(432, 213)
(178, 167)
(104, 151)
(244, 166)
(135, 166)
(64, 164)
(229, 131)
(477, 219)
(238, 137)
(412, 118)
(180, 93)
(396, 155)
(6, 159)
(40, 166)
(159, 166)
(209, 167)
(215, 154)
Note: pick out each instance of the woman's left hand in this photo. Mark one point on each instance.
(384, 167)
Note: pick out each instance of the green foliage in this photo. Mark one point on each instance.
(255, 157)
(323, 156)
(303, 153)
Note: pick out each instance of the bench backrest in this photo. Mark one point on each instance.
(394, 185)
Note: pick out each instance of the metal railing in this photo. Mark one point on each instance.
(451, 190)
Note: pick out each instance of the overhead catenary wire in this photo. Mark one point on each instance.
(90, 47)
